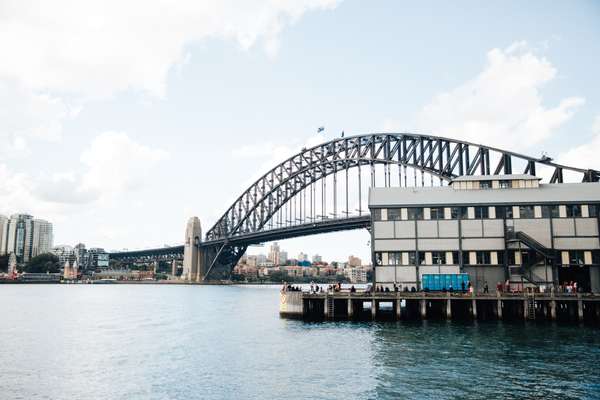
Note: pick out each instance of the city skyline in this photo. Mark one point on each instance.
(120, 144)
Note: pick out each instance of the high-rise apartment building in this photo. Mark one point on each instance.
(3, 234)
(274, 254)
(25, 236)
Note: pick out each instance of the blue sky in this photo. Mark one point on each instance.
(120, 121)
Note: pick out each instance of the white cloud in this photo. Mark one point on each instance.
(585, 155)
(503, 104)
(112, 166)
(116, 163)
(99, 48)
(25, 115)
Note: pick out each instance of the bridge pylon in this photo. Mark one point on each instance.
(191, 250)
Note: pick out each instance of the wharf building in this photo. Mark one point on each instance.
(495, 228)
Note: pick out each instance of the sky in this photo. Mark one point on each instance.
(119, 120)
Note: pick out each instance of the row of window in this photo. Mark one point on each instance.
(485, 257)
(487, 212)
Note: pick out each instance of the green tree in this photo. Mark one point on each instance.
(43, 263)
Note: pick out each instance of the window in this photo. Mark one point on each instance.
(596, 257)
(376, 214)
(483, 257)
(393, 214)
(508, 212)
(546, 211)
(378, 258)
(500, 212)
(455, 212)
(481, 212)
(526, 212)
(505, 184)
(412, 258)
(466, 257)
(438, 257)
(573, 210)
(437, 213)
(593, 210)
(485, 184)
(555, 211)
(395, 258)
(500, 254)
(455, 259)
(512, 257)
(415, 213)
(576, 257)
(464, 212)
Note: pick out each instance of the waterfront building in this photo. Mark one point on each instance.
(356, 274)
(25, 236)
(354, 261)
(81, 255)
(494, 228)
(97, 258)
(64, 253)
(317, 259)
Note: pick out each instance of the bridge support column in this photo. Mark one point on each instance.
(499, 309)
(423, 307)
(553, 310)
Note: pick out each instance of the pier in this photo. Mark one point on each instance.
(392, 306)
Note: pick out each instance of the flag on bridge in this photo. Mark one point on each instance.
(320, 129)
(342, 133)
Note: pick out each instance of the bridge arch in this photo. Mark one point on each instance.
(439, 157)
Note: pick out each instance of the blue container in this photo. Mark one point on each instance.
(439, 282)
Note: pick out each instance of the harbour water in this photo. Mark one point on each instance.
(228, 342)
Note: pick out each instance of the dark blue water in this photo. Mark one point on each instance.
(199, 342)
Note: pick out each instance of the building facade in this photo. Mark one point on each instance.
(495, 228)
(25, 236)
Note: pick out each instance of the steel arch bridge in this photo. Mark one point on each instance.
(283, 202)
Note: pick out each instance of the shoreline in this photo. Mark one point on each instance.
(165, 282)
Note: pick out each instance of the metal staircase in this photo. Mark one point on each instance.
(525, 271)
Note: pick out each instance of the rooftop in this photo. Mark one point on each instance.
(510, 177)
(559, 193)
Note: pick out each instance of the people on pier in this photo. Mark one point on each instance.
(486, 289)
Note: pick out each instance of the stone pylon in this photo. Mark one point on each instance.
(191, 252)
